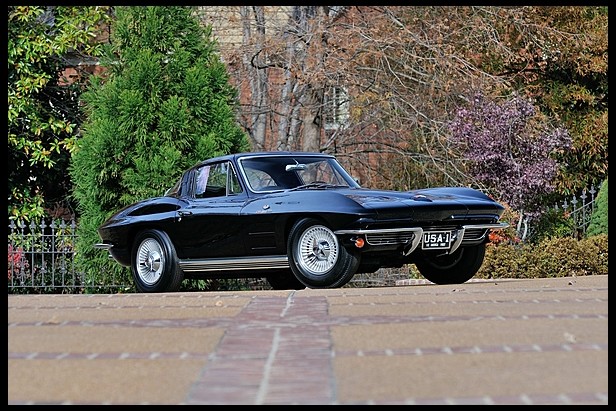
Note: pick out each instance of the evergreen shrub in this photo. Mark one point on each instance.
(598, 219)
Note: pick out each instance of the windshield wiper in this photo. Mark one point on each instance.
(316, 185)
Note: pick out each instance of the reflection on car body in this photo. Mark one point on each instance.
(299, 220)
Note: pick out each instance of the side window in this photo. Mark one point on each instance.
(202, 177)
(214, 180)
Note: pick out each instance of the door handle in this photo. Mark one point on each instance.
(183, 214)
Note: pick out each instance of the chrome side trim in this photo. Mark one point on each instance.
(494, 226)
(380, 231)
(103, 246)
(235, 263)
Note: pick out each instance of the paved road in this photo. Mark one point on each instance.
(539, 341)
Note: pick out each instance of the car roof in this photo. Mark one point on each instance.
(232, 157)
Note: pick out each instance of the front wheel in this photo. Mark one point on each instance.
(316, 257)
(154, 263)
(456, 268)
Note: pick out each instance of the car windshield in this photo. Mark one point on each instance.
(288, 172)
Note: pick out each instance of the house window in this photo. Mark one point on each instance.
(336, 109)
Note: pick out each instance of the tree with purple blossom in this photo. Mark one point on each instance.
(509, 148)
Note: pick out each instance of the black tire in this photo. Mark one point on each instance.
(456, 268)
(284, 281)
(154, 263)
(316, 257)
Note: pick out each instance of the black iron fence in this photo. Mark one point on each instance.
(41, 254)
(576, 212)
(41, 259)
(580, 210)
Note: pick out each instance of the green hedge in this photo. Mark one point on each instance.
(554, 257)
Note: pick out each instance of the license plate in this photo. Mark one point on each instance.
(436, 240)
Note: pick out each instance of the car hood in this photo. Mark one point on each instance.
(435, 204)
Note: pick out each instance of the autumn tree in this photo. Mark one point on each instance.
(571, 85)
(412, 67)
(557, 56)
(281, 66)
(164, 104)
(43, 116)
(405, 70)
(393, 73)
(358, 82)
(511, 152)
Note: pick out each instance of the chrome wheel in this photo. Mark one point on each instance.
(318, 250)
(150, 261)
(154, 263)
(316, 257)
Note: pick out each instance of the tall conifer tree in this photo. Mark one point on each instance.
(164, 104)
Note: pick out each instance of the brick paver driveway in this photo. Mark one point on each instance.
(535, 341)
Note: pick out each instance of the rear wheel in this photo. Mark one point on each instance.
(316, 257)
(456, 268)
(154, 263)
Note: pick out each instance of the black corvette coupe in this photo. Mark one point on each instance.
(299, 220)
